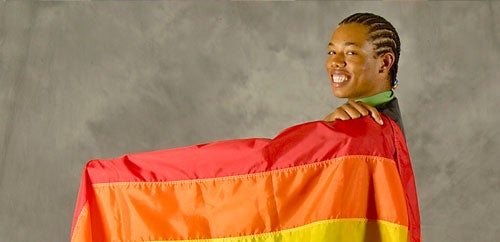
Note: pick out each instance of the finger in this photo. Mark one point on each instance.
(337, 114)
(360, 108)
(341, 114)
(374, 113)
(351, 111)
(329, 118)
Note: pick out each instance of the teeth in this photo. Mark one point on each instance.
(339, 78)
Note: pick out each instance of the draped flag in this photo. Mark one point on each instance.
(319, 181)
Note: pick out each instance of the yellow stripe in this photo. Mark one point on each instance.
(349, 230)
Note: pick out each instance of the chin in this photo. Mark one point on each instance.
(339, 94)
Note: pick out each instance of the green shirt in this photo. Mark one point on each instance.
(378, 99)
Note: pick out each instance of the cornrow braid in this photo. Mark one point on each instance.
(382, 34)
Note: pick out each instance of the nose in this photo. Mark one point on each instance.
(335, 61)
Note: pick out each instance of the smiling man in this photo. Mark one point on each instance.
(362, 63)
(313, 182)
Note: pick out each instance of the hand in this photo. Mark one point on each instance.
(354, 110)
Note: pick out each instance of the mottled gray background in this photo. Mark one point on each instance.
(84, 80)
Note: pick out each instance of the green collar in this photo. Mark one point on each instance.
(378, 99)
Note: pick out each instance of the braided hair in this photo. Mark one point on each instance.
(382, 34)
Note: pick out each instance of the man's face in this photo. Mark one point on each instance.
(352, 65)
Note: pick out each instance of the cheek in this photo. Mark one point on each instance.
(355, 68)
(328, 63)
(367, 69)
(355, 63)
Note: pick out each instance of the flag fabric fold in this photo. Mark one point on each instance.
(318, 181)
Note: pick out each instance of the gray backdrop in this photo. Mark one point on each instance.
(85, 80)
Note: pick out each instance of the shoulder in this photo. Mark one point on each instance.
(391, 109)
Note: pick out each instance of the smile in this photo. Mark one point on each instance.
(339, 78)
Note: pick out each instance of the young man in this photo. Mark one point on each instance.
(362, 63)
(312, 182)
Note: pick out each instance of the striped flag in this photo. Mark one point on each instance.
(319, 181)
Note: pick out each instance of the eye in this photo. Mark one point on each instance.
(351, 53)
(331, 52)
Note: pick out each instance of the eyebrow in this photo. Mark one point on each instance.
(346, 44)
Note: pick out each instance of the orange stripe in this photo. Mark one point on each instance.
(82, 230)
(347, 187)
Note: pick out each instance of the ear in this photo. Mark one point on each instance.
(386, 61)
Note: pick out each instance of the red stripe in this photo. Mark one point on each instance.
(299, 145)
(408, 181)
